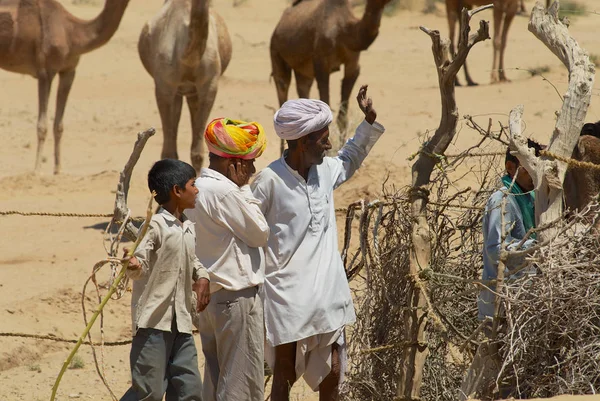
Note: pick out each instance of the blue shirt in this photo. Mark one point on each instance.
(492, 235)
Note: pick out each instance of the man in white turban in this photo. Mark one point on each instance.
(307, 301)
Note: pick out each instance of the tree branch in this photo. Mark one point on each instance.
(121, 209)
(548, 174)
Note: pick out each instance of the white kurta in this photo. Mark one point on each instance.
(306, 291)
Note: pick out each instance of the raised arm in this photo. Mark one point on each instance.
(356, 149)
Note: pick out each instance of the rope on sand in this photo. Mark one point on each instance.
(62, 340)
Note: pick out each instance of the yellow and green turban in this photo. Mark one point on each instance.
(234, 138)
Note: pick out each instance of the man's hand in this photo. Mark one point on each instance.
(239, 173)
(202, 290)
(134, 264)
(366, 105)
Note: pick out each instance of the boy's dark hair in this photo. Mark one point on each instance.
(531, 144)
(167, 173)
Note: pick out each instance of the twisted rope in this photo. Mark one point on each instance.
(51, 337)
(571, 162)
(448, 205)
(54, 214)
(61, 340)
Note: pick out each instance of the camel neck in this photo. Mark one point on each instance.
(89, 35)
(198, 32)
(367, 28)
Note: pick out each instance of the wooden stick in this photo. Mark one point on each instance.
(111, 291)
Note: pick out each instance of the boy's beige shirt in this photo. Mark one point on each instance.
(162, 287)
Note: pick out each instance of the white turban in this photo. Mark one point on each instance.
(300, 117)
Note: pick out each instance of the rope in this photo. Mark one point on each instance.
(572, 162)
(54, 214)
(62, 340)
(456, 206)
(449, 205)
(66, 340)
(403, 344)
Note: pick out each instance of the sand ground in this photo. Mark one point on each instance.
(44, 261)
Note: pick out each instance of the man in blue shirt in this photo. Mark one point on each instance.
(519, 217)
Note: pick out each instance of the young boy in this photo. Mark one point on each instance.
(165, 271)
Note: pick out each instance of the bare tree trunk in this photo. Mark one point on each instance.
(548, 174)
(411, 372)
(121, 210)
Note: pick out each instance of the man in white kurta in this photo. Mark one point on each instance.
(230, 230)
(307, 300)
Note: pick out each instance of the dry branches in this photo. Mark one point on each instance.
(552, 341)
(547, 173)
(410, 374)
(549, 340)
(449, 286)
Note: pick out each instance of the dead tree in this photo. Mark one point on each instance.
(547, 172)
(415, 353)
(121, 210)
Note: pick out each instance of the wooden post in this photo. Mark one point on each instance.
(413, 360)
(547, 173)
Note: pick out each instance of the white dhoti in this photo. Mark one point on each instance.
(313, 357)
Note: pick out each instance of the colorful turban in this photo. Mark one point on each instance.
(234, 138)
(300, 117)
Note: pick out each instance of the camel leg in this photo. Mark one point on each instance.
(64, 88)
(200, 107)
(497, 44)
(322, 76)
(44, 84)
(452, 16)
(303, 85)
(470, 81)
(282, 74)
(508, 18)
(169, 107)
(351, 72)
(522, 9)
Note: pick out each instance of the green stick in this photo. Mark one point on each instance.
(111, 291)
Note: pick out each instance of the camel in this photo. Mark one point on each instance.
(185, 48)
(504, 12)
(314, 38)
(41, 38)
(582, 185)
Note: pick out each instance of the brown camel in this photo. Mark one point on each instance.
(504, 12)
(185, 48)
(314, 38)
(582, 185)
(40, 38)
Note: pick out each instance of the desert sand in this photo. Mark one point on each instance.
(44, 261)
